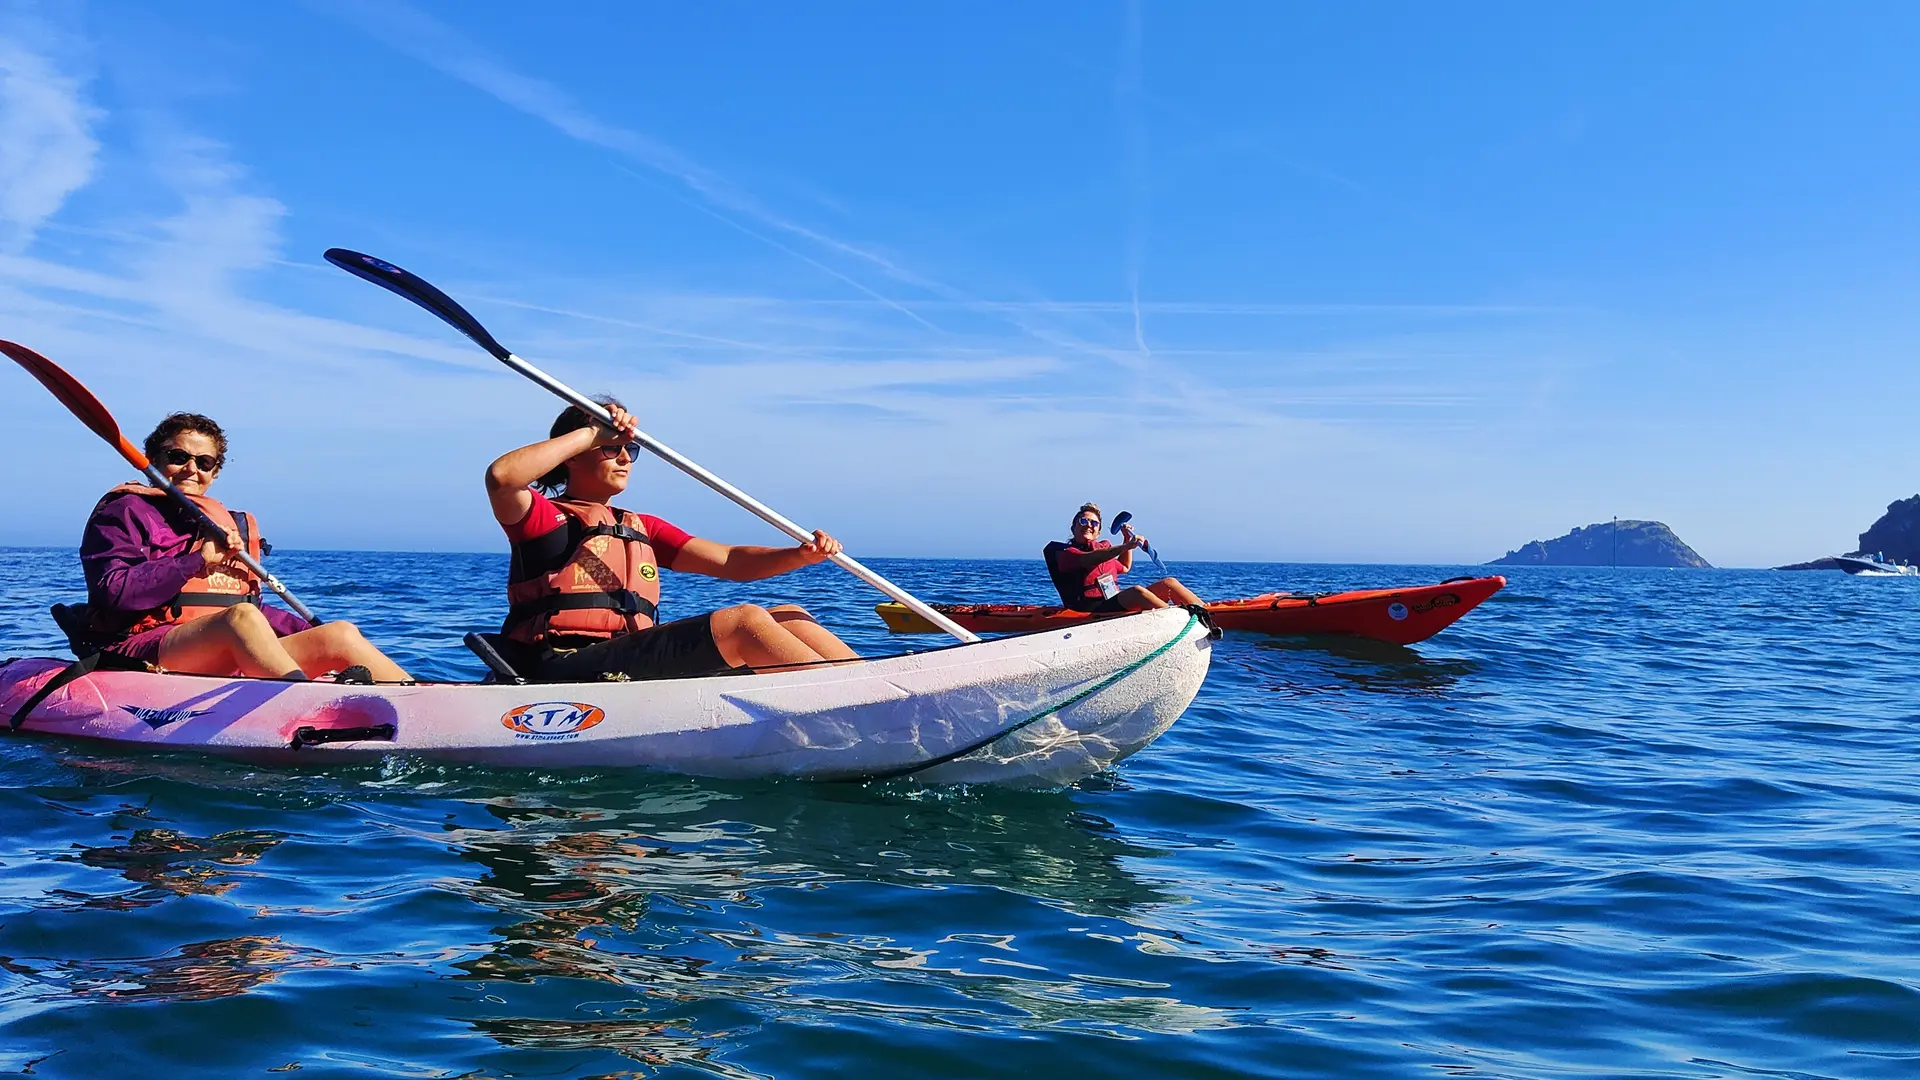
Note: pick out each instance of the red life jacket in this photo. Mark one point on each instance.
(1082, 588)
(609, 584)
(217, 587)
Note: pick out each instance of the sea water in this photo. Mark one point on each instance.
(1622, 823)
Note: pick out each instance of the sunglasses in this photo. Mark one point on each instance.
(204, 462)
(1091, 522)
(632, 449)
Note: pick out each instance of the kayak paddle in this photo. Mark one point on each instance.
(81, 402)
(1121, 519)
(417, 289)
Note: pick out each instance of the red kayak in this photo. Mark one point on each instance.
(1402, 616)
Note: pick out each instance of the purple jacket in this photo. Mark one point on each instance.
(137, 553)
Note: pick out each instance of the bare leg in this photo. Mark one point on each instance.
(238, 640)
(1136, 598)
(337, 645)
(1170, 590)
(748, 634)
(812, 634)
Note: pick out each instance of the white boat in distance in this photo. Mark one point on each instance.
(1875, 565)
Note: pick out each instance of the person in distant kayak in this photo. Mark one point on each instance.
(1086, 570)
(583, 585)
(161, 592)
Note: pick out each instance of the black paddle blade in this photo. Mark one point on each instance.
(417, 289)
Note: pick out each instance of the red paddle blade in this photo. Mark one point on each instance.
(77, 398)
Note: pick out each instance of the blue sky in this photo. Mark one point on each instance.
(1292, 282)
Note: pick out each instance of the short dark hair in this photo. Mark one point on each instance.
(572, 418)
(182, 422)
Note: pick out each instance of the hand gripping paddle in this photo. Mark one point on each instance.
(1121, 519)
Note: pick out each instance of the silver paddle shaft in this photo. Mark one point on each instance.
(756, 507)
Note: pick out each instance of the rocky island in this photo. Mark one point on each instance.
(1608, 543)
(1895, 536)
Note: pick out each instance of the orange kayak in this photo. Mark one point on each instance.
(1402, 616)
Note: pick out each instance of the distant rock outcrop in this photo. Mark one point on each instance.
(1828, 563)
(1897, 534)
(1609, 543)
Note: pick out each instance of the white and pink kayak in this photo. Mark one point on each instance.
(1039, 709)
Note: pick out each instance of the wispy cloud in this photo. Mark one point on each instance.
(417, 34)
(47, 145)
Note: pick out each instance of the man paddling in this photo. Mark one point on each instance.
(583, 586)
(1085, 570)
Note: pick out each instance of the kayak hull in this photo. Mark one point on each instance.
(1051, 712)
(1403, 616)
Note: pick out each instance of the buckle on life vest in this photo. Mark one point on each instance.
(618, 532)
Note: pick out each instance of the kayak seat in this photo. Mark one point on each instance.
(493, 650)
(72, 620)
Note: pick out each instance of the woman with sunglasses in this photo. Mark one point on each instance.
(161, 592)
(1085, 570)
(583, 584)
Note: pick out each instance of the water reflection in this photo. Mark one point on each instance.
(166, 863)
(1378, 667)
(673, 895)
(655, 1043)
(701, 842)
(199, 971)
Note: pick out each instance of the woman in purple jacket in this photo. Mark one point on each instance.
(162, 592)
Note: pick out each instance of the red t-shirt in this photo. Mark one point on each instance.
(544, 517)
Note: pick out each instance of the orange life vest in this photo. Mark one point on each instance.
(215, 588)
(608, 586)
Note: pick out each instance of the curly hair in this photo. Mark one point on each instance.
(182, 422)
(570, 419)
(1095, 507)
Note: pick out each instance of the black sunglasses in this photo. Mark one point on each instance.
(204, 462)
(632, 449)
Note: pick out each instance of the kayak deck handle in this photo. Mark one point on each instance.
(304, 737)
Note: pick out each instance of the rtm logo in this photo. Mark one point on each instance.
(544, 720)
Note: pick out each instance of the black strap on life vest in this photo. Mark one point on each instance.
(221, 600)
(209, 599)
(618, 530)
(625, 601)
